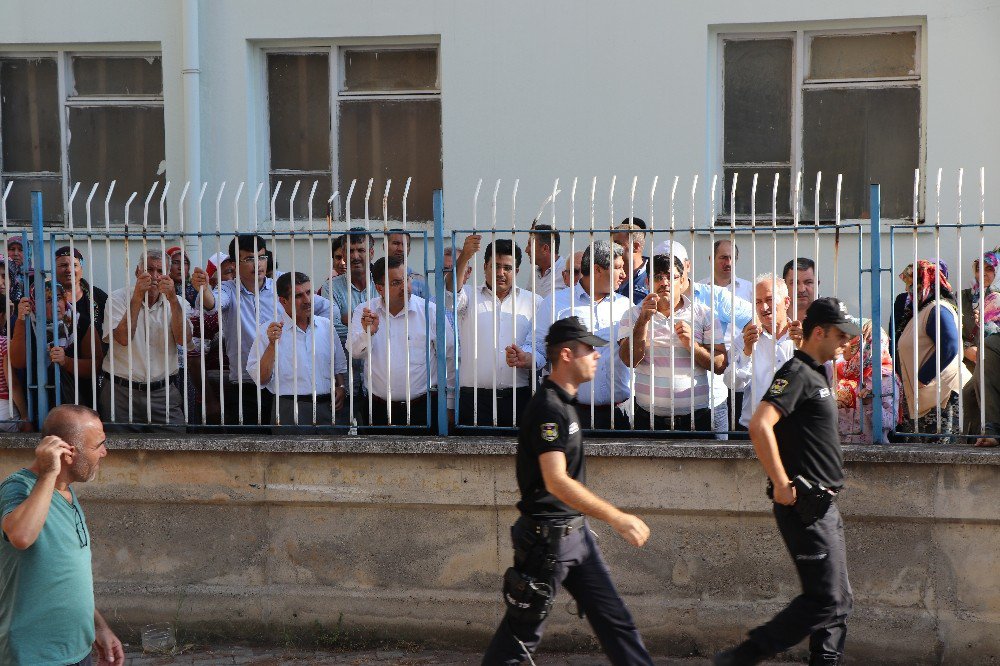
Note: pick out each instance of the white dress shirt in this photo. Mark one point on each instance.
(604, 323)
(161, 361)
(483, 335)
(667, 381)
(246, 321)
(295, 372)
(753, 374)
(386, 373)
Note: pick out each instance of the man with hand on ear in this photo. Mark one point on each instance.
(47, 613)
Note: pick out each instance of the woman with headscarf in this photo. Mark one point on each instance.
(929, 355)
(981, 316)
(855, 402)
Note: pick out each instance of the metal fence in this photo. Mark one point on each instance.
(456, 350)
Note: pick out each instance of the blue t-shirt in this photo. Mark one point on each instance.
(47, 589)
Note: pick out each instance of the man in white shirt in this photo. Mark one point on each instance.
(597, 305)
(142, 327)
(671, 349)
(543, 251)
(399, 346)
(293, 357)
(490, 317)
(246, 304)
(724, 256)
(764, 347)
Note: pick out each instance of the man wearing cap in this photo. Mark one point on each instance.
(553, 544)
(89, 303)
(794, 433)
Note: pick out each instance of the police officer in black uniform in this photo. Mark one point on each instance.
(794, 433)
(553, 545)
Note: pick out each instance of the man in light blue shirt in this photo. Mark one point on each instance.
(600, 309)
(348, 291)
(247, 303)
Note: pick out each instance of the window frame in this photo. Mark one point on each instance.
(335, 51)
(64, 83)
(802, 37)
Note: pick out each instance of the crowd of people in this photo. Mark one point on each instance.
(239, 343)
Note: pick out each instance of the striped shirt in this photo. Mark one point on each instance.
(666, 380)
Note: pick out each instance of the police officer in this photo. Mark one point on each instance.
(553, 545)
(794, 433)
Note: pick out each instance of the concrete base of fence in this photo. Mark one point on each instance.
(406, 538)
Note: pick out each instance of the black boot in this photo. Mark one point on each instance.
(746, 653)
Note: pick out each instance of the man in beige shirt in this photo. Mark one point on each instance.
(143, 326)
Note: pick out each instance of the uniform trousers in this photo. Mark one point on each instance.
(581, 569)
(821, 611)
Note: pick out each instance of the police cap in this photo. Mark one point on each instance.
(571, 329)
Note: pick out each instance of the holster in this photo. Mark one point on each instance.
(812, 500)
(527, 586)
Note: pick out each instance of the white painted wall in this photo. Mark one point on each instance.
(537, 91)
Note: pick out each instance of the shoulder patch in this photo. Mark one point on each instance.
(550, 432)
(778, 386)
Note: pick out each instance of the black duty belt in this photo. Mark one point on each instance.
(553, 528)
(152, 386)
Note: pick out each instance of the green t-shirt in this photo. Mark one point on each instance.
(46, 590)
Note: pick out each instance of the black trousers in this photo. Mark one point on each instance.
(821, 611)
(602, 417)
(231, 401)
(679, 428)
(581, 569)
(397, 408)
(506, 401)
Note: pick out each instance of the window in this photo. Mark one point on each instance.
(108, 125)
(382, 121)
(849, 104)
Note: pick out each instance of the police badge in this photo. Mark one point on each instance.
(779, 386)
(550, 432)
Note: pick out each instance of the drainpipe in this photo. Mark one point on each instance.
(191, 79)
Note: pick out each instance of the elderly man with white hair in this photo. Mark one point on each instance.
(764, 346)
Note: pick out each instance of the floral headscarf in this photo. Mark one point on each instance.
(926, 275)
(854, 372)
(991, 259)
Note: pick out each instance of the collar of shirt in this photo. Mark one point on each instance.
(562, 393)
(488, 293)
(411, 306)
(811, 362)
(267, 286)
(580, 294)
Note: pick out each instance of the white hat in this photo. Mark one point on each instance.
(671, 247)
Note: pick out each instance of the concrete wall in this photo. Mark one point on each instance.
(406, 539)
